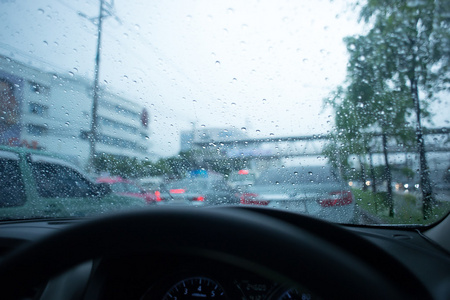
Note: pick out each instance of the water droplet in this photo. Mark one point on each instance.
(243, 129)
(41, 11)
(217, 63)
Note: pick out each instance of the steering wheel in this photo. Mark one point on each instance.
(296, 250)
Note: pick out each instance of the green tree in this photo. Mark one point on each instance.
(370, 105)
(414, 49)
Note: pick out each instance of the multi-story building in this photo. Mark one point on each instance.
(53, 112)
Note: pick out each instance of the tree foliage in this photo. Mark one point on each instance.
(402, 58)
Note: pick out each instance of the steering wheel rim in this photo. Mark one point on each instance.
(234, 236)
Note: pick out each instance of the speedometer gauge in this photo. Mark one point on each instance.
(294, 295)
(195, 288)
(299, 293)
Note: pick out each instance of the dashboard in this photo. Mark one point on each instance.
(184, 277)
(405, 256)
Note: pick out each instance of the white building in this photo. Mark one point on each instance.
(53, 112)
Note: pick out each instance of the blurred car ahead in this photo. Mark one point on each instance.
(37, 184)
(199, 191)
(241, 179)
(150, 183)
(125, 187)
(312, 190)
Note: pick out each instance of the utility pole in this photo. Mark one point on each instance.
(105, 11)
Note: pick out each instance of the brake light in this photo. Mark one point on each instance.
(243, 172)
(251, 199)
(158, 195)
(339, 198)
(177, 191)
(198, 198)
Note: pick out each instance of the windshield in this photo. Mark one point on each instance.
(335, 109)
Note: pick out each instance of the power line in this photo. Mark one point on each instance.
(68, 6)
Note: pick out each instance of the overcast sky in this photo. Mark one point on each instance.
(261, 65)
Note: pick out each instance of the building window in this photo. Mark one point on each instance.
(37, 130)
(118, 125)
(126, 112)
(39, 88)
(38, 109)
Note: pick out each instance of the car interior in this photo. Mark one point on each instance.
(249, 252)
(227, 149)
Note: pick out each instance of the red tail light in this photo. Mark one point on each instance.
(339, 198)
(158, 195)
(251, 199)
(198, 198)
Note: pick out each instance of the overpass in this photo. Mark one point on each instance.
(437, 140)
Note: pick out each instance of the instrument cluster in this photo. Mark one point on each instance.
(201, 287)
(187, 277)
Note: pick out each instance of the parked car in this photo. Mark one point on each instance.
(199, 191)
(315, 190)
(125, 187)
(39, 184)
